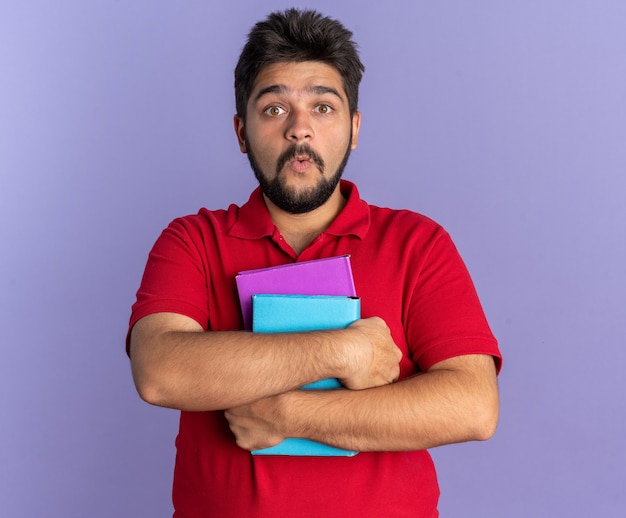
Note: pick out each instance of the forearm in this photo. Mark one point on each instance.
(176, 364)
(196, 370)
(443, 406)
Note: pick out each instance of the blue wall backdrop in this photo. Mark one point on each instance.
(504, 121)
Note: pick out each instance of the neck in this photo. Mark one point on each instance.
(299, 230)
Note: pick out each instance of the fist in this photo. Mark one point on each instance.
(373, 358)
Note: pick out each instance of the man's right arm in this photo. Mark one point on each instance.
(177, 364)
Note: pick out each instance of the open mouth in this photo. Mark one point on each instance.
(300, 164)
(300, 161)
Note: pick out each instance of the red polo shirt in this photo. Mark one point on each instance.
(406, 271)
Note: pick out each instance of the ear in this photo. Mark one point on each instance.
(240, 132)
(356, 125)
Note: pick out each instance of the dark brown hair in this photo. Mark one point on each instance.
(297, 36)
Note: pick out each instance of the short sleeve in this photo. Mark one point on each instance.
(175, 278)
(445, 318)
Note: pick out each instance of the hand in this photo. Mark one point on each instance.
(375, 358)
(255, 425)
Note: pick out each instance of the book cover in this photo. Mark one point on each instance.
(274, 313)
(328, 276)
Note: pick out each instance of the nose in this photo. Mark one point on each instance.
(299, 127)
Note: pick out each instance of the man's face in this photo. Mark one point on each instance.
(298, 133)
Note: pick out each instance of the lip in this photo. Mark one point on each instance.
(300, 164)
(299, 159)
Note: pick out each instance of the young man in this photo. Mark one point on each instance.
(419, 369)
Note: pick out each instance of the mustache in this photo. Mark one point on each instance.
(299, 149)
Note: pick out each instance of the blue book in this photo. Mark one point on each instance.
(300, 313)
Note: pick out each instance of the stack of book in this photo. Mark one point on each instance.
(299, 297)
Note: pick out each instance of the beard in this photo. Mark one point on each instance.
(289, 199)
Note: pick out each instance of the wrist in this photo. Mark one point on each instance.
(299, 411)
(352, 352)
(342, 353)
(285, 412)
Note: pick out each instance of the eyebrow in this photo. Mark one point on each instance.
(313, 90)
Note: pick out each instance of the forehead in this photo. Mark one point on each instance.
(298, 78)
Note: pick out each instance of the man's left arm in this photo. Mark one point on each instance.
(456, 400)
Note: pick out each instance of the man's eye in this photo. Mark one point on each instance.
(274, 111)
(323, 108)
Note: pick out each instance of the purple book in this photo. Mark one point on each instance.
(329, 276)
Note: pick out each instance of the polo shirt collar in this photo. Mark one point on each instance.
(254, 221)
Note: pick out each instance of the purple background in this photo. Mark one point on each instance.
(504, 121)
